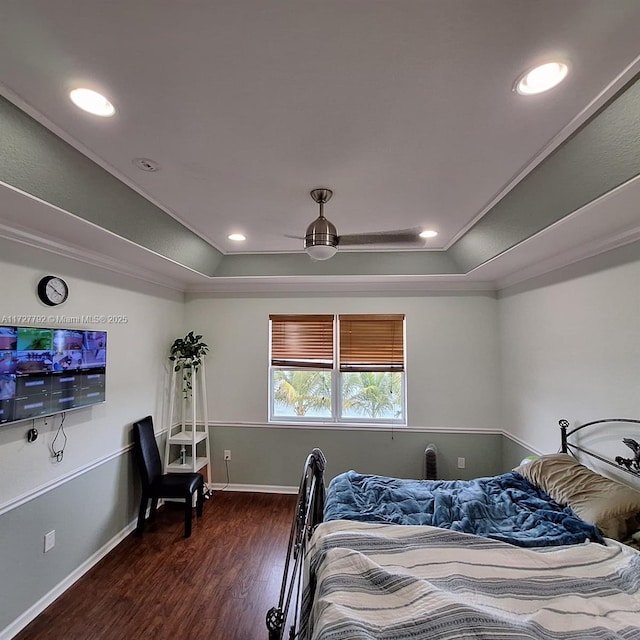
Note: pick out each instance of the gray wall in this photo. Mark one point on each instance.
(513, 452)
(85, 512)
(275, 456)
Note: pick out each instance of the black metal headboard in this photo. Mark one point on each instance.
(630, 465)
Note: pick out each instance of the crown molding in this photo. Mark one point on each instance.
(569, 257)
(27, 237)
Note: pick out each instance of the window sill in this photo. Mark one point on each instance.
(297, 424)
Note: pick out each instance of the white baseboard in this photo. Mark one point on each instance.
(36, 609)
(251, 488)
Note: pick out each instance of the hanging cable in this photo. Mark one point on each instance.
(58, 453)
(226, 463)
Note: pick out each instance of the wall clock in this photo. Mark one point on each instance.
(52, 290)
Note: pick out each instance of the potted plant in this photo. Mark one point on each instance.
(187, 354)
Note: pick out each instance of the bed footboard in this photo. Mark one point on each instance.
(308, 513)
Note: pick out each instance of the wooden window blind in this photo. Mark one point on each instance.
(371, 342)
(302, 341)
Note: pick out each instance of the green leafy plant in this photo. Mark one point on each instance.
(187, 354)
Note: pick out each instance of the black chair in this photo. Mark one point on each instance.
(157, 485)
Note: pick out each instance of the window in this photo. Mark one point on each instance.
(345, 368)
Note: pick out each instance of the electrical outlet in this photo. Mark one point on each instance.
(461, 463)
(227, 454)
(49, 540)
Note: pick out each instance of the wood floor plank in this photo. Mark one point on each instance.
(216, 585)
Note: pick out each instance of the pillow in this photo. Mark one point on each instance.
(612, 506)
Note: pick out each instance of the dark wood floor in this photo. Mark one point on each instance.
(216, 585)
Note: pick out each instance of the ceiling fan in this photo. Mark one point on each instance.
(322, 240)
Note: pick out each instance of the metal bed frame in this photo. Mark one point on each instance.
(629, 465)
(310, 508)
(309, 513)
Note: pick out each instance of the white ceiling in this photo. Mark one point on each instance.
(405, 109)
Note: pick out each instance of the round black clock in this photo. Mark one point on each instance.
(52, 290)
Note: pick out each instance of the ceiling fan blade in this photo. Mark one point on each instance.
(286, 235)
(399, 236)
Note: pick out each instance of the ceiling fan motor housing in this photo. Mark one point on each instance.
(321, 232)
(321, 240)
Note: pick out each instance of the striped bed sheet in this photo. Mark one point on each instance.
(367, 581)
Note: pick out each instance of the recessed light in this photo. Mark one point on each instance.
(541, 78)
(236, 237)
(92, 101)
(428, 233)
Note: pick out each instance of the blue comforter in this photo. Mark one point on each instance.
(505, 507)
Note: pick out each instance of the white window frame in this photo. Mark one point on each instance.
(336, 389)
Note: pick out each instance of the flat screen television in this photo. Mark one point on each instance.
(45, 371)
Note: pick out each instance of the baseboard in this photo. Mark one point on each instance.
(36, 609)
(251, 488)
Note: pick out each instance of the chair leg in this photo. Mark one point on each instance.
(200, 501)
(154, 508)
(141, 514)
(188, 508)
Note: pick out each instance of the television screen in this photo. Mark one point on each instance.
(45, 371)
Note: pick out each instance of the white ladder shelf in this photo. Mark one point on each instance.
(187, 446)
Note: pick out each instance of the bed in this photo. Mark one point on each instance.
(544, 551)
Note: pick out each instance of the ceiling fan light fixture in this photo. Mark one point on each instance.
(541, 78)
(321, 251)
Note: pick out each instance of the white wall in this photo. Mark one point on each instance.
(570, 345)
(137, 360)
(452, 353)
